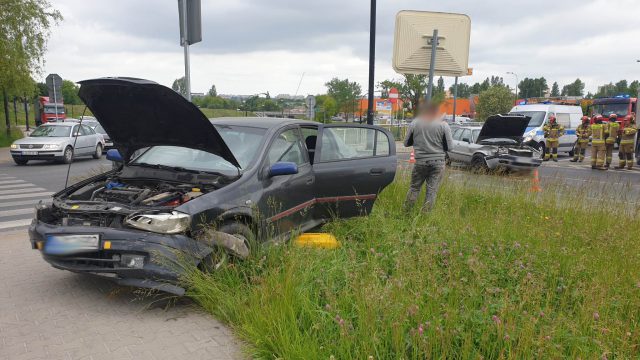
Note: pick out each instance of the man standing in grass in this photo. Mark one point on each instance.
(430, 137)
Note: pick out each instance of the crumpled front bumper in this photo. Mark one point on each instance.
(512, 162)
(164, 255)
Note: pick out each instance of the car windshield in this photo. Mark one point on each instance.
(51, 109)
(243, 142)
(98, 129)
(537, 117)
(51, 131)
(606, 110)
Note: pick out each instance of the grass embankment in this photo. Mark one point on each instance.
(8, 139)
(489, 274)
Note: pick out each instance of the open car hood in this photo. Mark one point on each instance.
(139, 113)
(504, 127)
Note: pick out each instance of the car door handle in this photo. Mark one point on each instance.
(310, 180)
(376, 171)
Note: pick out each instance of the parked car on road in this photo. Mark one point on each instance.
(60, 141)
(496, 143)
(95, 125)
(189, 187)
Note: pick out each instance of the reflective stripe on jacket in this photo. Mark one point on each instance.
(628, 135)
(553, 132)
(583, 132)
(612, 130)
(597, 131)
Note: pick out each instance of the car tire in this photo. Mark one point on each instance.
(573, 150)
(20, 162)
(479, 164)
(219, 257)
(98, 153)
(541, 147)
(447, 160)
(67, 156)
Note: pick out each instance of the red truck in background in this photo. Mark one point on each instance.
(48, 112)
(621, 105)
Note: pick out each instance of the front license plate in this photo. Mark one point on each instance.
(29, 153)
(71, 244)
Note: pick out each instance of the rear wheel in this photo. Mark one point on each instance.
(98, 153)
(219, 257)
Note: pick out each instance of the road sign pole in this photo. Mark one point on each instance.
(55, 98)
(455, 99)
(185, 44)
(434, 46)
(26, 112)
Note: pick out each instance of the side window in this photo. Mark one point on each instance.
(457, 134)
(564, 120)
(342, 143)
(76, 131)
(85, 130)
(466, 134)
(474, 136)
(287, 147)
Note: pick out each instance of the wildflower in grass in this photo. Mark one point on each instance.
(496, 319)
(507, 337)
(596, 316)
(327, 307)
(516, 245)
(420, 330)
(628, 333)
(541, 314)
(412, 310)
(547, 337)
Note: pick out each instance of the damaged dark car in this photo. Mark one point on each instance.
(188, 187)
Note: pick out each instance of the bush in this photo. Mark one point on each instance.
(6, 140)
(487, 274)
(497, 99)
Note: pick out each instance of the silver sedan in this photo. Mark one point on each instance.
(60, 142)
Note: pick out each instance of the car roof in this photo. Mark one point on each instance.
(65, 123)
(548, 107)
(259, 122)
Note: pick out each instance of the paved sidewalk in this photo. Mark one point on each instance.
(47, 313)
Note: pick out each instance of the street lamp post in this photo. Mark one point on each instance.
(372, 59)
(517, 82)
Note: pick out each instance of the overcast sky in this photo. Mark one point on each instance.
(253, 46)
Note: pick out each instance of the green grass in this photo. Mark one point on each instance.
(7, 139)
(490, 273)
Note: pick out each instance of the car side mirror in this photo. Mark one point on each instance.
(114, 155)
(283, 168)
(466, 140)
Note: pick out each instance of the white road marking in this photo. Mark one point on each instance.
(7, 178)
(15, 223)
(22, 203)
(31, 195)
(17, 186)
(12, 182)
(15, 212)
(20, 191)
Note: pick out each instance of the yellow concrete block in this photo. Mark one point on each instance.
(317, 240)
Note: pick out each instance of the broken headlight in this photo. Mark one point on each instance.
(164, 223)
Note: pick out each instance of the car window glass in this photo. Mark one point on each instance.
(75, 131)
(382, 144)
(457, 134)
(474, 136)
(286, 147)
(85, 130)
(340, 143)
(466, 134)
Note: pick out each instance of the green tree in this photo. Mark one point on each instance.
(180, 86)
(532, 87)
(42, 89)
(386, 85)
(24, 31)
(70, 93)
(634, 86)
(496, 100)
(413, 90)
(328, 105)
(464, 90)
(555, 90)
(576, 88)
(213, 92)
(345, 93)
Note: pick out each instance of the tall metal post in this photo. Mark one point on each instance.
(434, 46)
(455, 99)
(26, 111)
(55, 98)
(372, 60)
(185, 45)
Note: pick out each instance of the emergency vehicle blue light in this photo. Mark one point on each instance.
(622, 96)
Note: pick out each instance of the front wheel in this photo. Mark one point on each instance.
(20, 161)
(67, 157)
(479, 164)
(541, 147)
(219, 257)
(98, 153)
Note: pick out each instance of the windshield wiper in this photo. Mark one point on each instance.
(179, 169)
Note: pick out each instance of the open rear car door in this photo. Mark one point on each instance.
(353, 163)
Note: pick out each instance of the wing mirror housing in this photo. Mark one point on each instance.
(114, 155)
(283, 168)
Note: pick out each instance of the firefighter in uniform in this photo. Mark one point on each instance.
(598, 149)
(552, 133)
(583, 132)
(612, 131)
(627, 142)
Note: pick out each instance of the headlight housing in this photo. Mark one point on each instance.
(163, 223)
(14, 146)
(528, 138)
(50, 147)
